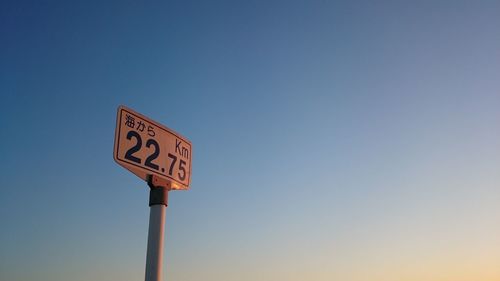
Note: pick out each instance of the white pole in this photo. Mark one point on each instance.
(154, 257)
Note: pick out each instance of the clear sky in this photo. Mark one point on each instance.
(353, 141)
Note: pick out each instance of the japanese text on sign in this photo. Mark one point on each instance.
(145, 147)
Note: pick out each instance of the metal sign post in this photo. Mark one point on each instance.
(160, 156)
(158, 201)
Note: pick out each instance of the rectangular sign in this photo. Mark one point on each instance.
(146, 148)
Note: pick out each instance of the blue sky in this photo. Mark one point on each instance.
(353, 140)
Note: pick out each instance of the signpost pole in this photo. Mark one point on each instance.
(161, 157)
(158, 198)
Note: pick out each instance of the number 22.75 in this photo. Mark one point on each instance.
(129, 155)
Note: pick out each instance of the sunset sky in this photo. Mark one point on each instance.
(332, 140)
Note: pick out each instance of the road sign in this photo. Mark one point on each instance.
(146, 148)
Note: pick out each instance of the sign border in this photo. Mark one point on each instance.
(122, 108)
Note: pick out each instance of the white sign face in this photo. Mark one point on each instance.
(146, 148)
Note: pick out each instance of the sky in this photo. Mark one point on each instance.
(332, 140)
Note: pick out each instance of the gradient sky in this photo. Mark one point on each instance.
(347, 141)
